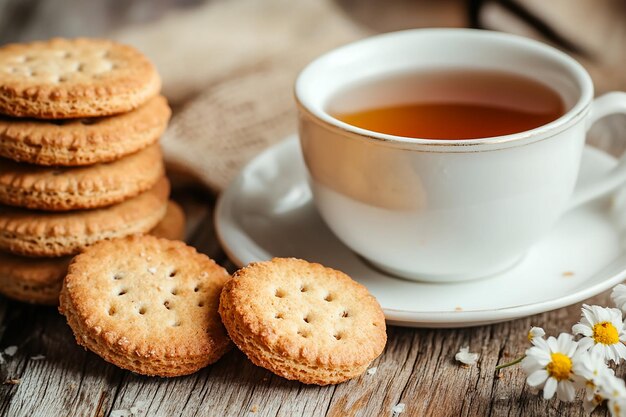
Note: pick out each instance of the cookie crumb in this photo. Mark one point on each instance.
(568, 274)
(458, 308)
(372, 370)
(12, 381)
(254, 409)
(398, 408)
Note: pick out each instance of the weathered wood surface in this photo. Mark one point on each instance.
(417, 367)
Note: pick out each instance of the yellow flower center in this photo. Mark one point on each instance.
(605, 333)
(560, 367)
(530, 336)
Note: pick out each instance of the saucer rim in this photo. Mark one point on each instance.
(223, 218)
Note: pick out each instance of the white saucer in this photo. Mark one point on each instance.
(267, 211)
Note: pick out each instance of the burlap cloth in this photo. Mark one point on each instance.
(228, 70)
(228, 67)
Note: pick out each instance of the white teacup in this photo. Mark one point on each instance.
(440, 210)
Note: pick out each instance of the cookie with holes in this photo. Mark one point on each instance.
(94, 186)
(303, 321)
(77, 142)
(146, 304)
(38, 280)
(71, 78)
(46, 234)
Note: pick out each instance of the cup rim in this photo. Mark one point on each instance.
(577, 111)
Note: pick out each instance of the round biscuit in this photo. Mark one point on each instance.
(72, 78)
(78, 142)
(36, 233)
(146, 304)
(38, 280)
(32, 280)
(173, 224)
(303, 321)
(63, 189)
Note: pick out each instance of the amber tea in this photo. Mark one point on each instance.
(448, 104)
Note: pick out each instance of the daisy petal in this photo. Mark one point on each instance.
(582, 329)
(609, 352)
(586, 315)
(621, 350)
(541, 344)
(571, 348)
(585, 343)
(565, 391)
(563, 342)
(552, 344)
(537, 378)
(549, 388)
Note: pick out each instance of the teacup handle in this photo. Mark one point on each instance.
(605, 105)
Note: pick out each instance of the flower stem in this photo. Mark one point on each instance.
(506, 365)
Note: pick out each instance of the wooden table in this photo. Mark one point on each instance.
(51, 376)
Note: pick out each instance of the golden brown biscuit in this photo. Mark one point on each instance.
(38, 280)
(35, 233)
(173, 224)
(78, 142)
(303, 321)
(145, 304)
(72, 78)
(32, 280)
(63, 189)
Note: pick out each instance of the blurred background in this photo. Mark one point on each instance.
(593, 30)
(228, 65)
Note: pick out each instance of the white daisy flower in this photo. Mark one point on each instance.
(603, 331)
(549, 365)
(618, 295)
(593, 368)
(535, 332)
(613, 390)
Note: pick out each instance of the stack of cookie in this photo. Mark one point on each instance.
(79, 161)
